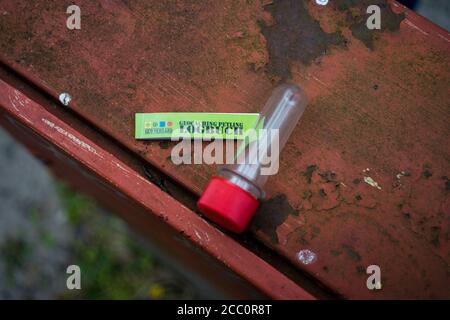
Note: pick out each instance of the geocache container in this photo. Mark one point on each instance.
(232, 197)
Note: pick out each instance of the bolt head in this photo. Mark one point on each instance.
(65, 98)
(306, 256)
(322, 2)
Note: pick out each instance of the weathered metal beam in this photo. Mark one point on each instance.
(220, 261)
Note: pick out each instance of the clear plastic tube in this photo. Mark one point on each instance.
(231, 198)
(281, 113)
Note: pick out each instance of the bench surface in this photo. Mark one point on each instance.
(363, 180)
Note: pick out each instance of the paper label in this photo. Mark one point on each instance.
(195, 125)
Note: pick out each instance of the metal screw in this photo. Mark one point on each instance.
(306, 256)
(322, 2)
(65, 98)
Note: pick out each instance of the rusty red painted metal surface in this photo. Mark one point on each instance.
(145, 206)
(364, 178)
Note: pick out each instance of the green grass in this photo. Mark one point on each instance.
(115, 264)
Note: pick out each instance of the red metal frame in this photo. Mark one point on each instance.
(189, 238)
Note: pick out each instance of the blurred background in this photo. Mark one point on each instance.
(435, 10)
(45, 227)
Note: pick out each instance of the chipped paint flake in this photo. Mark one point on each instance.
(319, 81)
(25, 118)
(18, 100)
(400, 174)
(118, 165)
(197, 235)
(371, 182)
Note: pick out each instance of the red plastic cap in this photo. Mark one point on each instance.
(227, 204)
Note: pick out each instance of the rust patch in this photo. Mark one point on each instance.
(294, 36)
(156, 178)
(309, 172)
(446, 183)
(356, 18)
(164, 144)
(352, 253)
(323, 191)
(427, 173)
(271, 214)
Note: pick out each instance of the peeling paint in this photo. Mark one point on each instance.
(197, 235)
(71, 137)
(400, 174)
(25, 118)
(371, 182)
(271, 214)
(356, 18)
(17, 99)
(295, 36)
(118, 165)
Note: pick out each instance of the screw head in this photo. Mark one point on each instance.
(65, 98)
(306, 256)
(322, 2)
